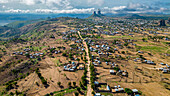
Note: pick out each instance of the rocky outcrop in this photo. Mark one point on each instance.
(162, 22)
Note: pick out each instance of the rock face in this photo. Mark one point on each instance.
(98, 14)
(162, 22)
(169, 20)
(94, 14)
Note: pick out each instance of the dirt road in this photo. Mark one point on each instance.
(89, 89)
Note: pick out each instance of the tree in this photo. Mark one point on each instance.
(64, 54)
(74, 83)
(78, 60)
(81, 85)
(123, 52)
(143, 39)
(78, 89)
(59, 83)
(128, 91)
(69, 84)
(93, 86)
(76, 94)
(93, 92)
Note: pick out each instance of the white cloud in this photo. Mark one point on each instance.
(17, 11)
(115, 8)
(95, 2)
(88, 10)
(3, 1)
(75, 6)
(141, 8)
(29, 2)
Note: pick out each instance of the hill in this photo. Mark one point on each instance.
(19, 24)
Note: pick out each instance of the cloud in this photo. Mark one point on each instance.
(29, 2)
(3, 6)
(3, 1)
(141, 8)
(52, 4)
(89, 10)
(113, 9)
(17, 11)
(76, 6)
(77, 11)
(95, 2)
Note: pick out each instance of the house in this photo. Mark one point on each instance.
(70, 67)
(162, 63)
(149, 62)
(116, 90)
(96, 83)
(113, 72)
(140, 52)
(125, 73)
(108, 88)
(134, 90)
(165, 70)
(81, 67)
(97, 94)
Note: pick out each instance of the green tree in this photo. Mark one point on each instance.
(74, 83)
(59, 83)
(69, 84)
(78, 89)
(76, 94)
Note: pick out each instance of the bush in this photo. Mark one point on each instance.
(74, 83)
(128, 91)
(64, 54)
(76, 94)
(93, 93)
(78, 89)
(123, 52)
(150, 54)
(59, 83)
(116, 68)
(41, 77)
(69, 84)
(140, 92)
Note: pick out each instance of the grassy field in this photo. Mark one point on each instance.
(106, 94)
(119, 37)
(158, 49)
(145, 43)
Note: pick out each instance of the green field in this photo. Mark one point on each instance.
(158, 49)
(121, 37)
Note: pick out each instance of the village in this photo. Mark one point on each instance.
(105, 57)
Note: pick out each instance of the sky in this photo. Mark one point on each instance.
(85, 6)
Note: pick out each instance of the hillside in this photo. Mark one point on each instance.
(19, 24)
(8, 32)
(60, 56)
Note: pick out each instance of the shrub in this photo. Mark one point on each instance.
(116, 68)
(128, 91)
(74, 83)
(64, 54)
(93, 93)
(69, 84)
(59, 83)
(76, 94)
(123, 52)
(78, 89)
